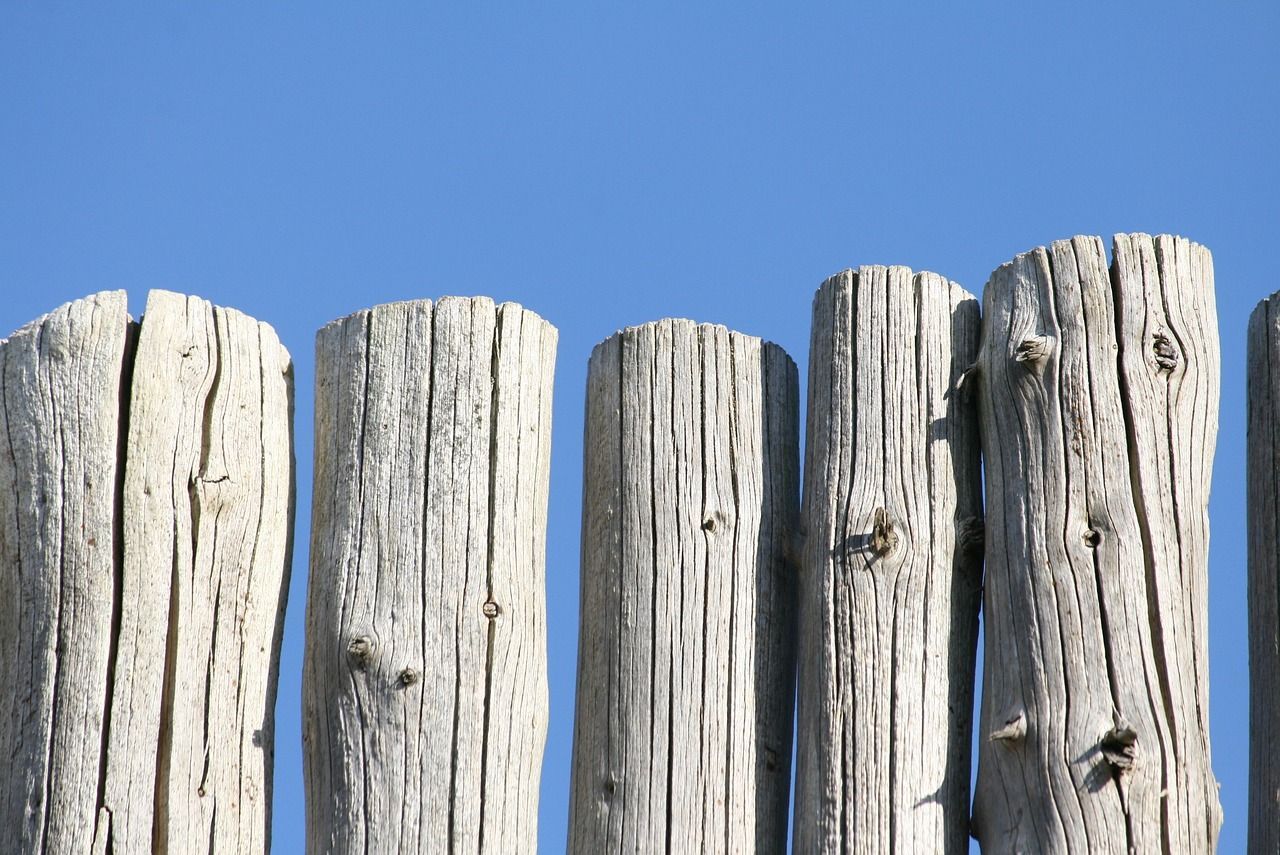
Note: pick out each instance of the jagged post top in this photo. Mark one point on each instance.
(117, 300)
(1124, 246)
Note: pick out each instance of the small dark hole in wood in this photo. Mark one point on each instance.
(490, 609)
(609, 787)
(1092, 538)
(709, 525)
(408, 677)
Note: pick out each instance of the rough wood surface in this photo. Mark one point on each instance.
(59, 475)
(425, 682)
(686, 653)
(1099, 405)
(145, 517)
(891, 567)
(1264, 577)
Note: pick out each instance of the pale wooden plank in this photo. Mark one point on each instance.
(686, 661)
(61, 382)
(425, 674)
(890, 594)
(1097, 388)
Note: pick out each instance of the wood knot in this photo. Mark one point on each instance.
(490, 609)
(1166, 354)
(971, 535)
(1013, 730)
(360, 651)
(409, 676)
(609, 787)
(1092, 538)
(1120, 747)
(770, 760)
(1031, 349)
(883, 537)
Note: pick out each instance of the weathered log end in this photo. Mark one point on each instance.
(425, 676)
(891, 565)
(1099, 404)
(146, 494)
(686, 655)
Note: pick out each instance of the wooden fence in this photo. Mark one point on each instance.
(146, 505)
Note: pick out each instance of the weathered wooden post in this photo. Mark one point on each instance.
(682, 739)
(891, 567)
(146, 487)
(425, 683)
(1264, 576)
(1099, 406)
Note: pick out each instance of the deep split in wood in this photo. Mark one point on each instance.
(146, 505)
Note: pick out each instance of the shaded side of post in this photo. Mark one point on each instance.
(1099, 405)
(891, 566)
(686, 654)
(425, 682)
(146, 505)
(1264, 576)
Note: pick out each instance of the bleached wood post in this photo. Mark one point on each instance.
(682, 740)
(425, 683)
(891, 567)
(1264, 576)
(1099, 407)
(146, 487)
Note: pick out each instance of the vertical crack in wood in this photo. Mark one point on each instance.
(490, 628)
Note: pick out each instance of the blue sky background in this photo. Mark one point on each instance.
(610, 165)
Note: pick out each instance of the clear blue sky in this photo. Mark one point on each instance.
(606, 166)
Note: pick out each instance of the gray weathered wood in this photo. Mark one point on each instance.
(1264, 577)
(891, 567)
(59, 539)
(145, 568)
(686, 654)
(1099, 405)
(425, 681)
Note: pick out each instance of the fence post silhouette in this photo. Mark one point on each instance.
(682, 736)
(891, 567)
(1264, 576)
(1099, 407)
(425, 678)
(146, 488)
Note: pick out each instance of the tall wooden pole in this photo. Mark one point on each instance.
(1099, 407)
(145, 514)
(891, 567)
(1264, 576)
(425, 682)
(682, 740)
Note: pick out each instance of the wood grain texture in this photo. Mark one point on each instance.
(1099, 405)
(1264, 576)
(159, 564)
(425, 681)
(59, 472)
(891, 567)
(686, 649)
